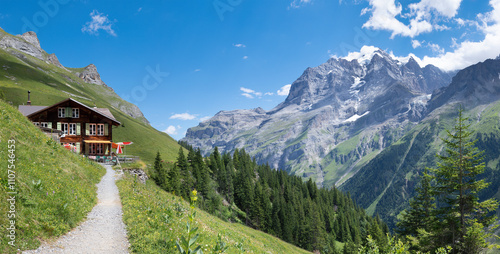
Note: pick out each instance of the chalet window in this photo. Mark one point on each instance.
(36, 124)
(100, 129)
(98, 148)
(92, 129)
(75, 113)
(61, 112)
(64, 128)
(44, 124)
(95, 149)
(72, 129)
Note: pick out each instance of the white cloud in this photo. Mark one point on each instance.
(299, 3)
(284, 90)
(435, 48)
(446, 8)
(269, 93)
(139, 10)
(99, 22)
(384, 15)
(183, 116)
(250, 94)
(197, 70)
(415, 44)
(172, 130)
(239, 45)
(470, 52)
(245, 57)
(462, 52)
(247, 90)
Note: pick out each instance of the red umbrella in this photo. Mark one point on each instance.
(119, 146)
(68, 146)
(119, 149)
(124, 143)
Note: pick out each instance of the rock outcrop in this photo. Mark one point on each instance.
(90, 75)
(55, 61)
(31, 38)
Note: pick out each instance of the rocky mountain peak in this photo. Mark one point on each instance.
(360, 93)
(412, 64)
(90, 75)
(32, 38)
(365, 55)
(475, 85)
(55, 61)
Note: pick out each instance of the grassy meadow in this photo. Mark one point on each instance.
(55, 188)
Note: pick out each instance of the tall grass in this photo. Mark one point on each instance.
(55, 188)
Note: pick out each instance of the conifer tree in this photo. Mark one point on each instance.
(174, 181)
(457, 187)
(204, 180)
(161, 176)
(229, 183)
(420, 214)
(185, 175)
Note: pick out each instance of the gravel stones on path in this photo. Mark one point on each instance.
(102, 232)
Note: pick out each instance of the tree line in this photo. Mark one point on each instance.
(235, 188)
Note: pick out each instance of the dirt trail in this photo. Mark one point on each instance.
(102, 232)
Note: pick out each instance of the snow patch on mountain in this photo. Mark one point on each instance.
(355, 117)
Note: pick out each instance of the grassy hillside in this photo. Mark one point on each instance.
(50, 84)
(155, 219)
(55, 188)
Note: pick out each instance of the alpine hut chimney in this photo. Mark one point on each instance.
(29, 101)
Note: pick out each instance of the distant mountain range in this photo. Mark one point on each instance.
(374, 98)
(368, 124)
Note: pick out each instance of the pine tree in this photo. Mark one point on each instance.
(161, 177)
(457, 187)
(185, 174)
(229, 183)
(258, 207)
(174, 181)
(420, 214)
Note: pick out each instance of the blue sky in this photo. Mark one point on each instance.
(182, 61)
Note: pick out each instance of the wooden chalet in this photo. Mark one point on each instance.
(88, 129)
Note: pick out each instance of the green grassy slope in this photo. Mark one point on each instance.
(55, 188)
(144, 210)
(50, 84)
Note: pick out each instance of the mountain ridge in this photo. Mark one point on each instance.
(21, 71)
(29, 44)
(326, 105)
(376, 147)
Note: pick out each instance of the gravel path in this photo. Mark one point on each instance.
(102, 232)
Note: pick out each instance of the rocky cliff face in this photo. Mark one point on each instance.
(474, 85)
(27, 43)
(333, 114)
(90, 75)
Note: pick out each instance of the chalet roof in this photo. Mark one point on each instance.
(106, 112)
(28, 110)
